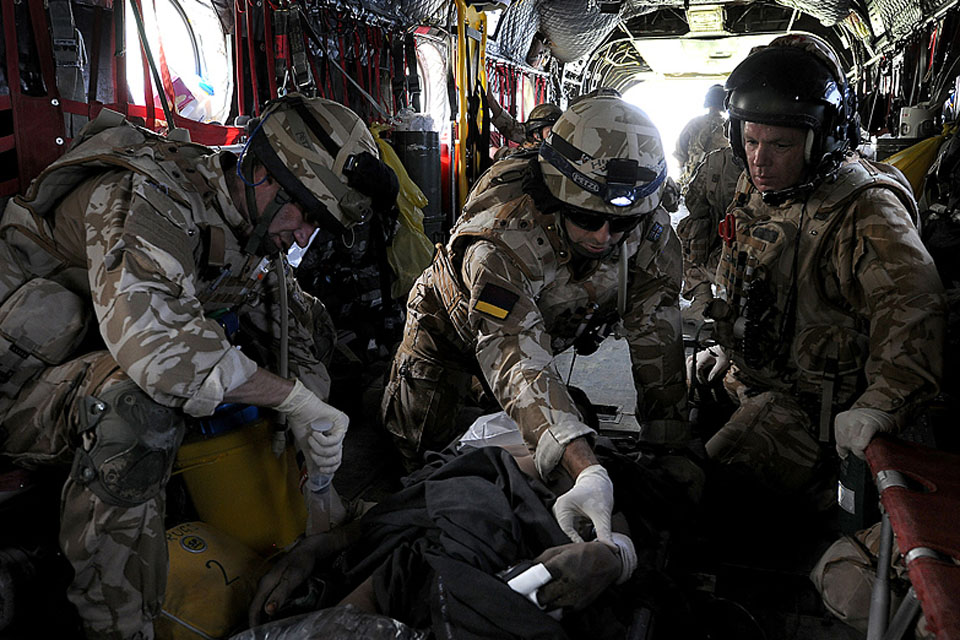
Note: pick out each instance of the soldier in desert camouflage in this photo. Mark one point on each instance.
(700, 136)
(535, 129)
(534, 266)
(829, 307)
(710, 192)
(149, 241)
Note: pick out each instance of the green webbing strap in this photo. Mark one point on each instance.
(263, 221)
(827, 392)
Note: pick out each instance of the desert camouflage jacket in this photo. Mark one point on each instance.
(836, 289)
(509, 127)
(710, 192)
(513, 300)
(699, 137)
(146, 227)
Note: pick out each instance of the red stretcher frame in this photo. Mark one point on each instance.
(920, 492)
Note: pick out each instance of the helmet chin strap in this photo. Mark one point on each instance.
(779, 196)
(255, 243)
(813, 179)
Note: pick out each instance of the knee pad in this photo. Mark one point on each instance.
(135, 441)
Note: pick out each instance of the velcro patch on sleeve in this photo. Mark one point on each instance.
(656, 230)
(496, 301)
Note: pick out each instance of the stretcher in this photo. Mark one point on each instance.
(920, 492)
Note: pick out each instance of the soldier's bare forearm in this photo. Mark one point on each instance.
(263, 389)
(577, 456)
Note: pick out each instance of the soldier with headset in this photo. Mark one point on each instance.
(829, 310)
(162, 248)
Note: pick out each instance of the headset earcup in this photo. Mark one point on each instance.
(735, 131)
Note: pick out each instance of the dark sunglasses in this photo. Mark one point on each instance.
(590, 221)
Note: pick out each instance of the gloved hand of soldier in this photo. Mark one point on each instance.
(580, 572)
(628, 556)
(855, 428)
(671, 195)
(303, 409)
(590, 498)
(710, 364)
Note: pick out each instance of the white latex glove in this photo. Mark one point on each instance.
(710, 363)
(590, 498)
(855, 428)
(628, 556)
(323, 450)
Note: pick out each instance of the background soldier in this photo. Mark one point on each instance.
(828, 304)
(152, 239)
(523, 279)
(532, 133)
(701, 135)
(710, 192)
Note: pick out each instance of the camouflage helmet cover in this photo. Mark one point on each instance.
(314, 139)
(605, 155)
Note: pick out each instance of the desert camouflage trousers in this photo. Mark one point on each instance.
(768, 436)
(421, 400)
(425, 390)
(845, 574)
(119, 554)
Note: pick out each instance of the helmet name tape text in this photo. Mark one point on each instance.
(604, 155)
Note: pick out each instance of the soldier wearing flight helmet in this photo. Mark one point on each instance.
(536, 128)
(829, 307)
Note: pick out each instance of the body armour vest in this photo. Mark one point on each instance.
(170, 183)
(572, 307)
(774, 314)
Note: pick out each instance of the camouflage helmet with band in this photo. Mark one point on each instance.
(309, 146)
(542, 115)
(605, 155)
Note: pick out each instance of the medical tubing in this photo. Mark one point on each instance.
(279, 437)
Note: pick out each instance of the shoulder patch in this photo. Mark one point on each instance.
(496, 301)
(656, 230)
